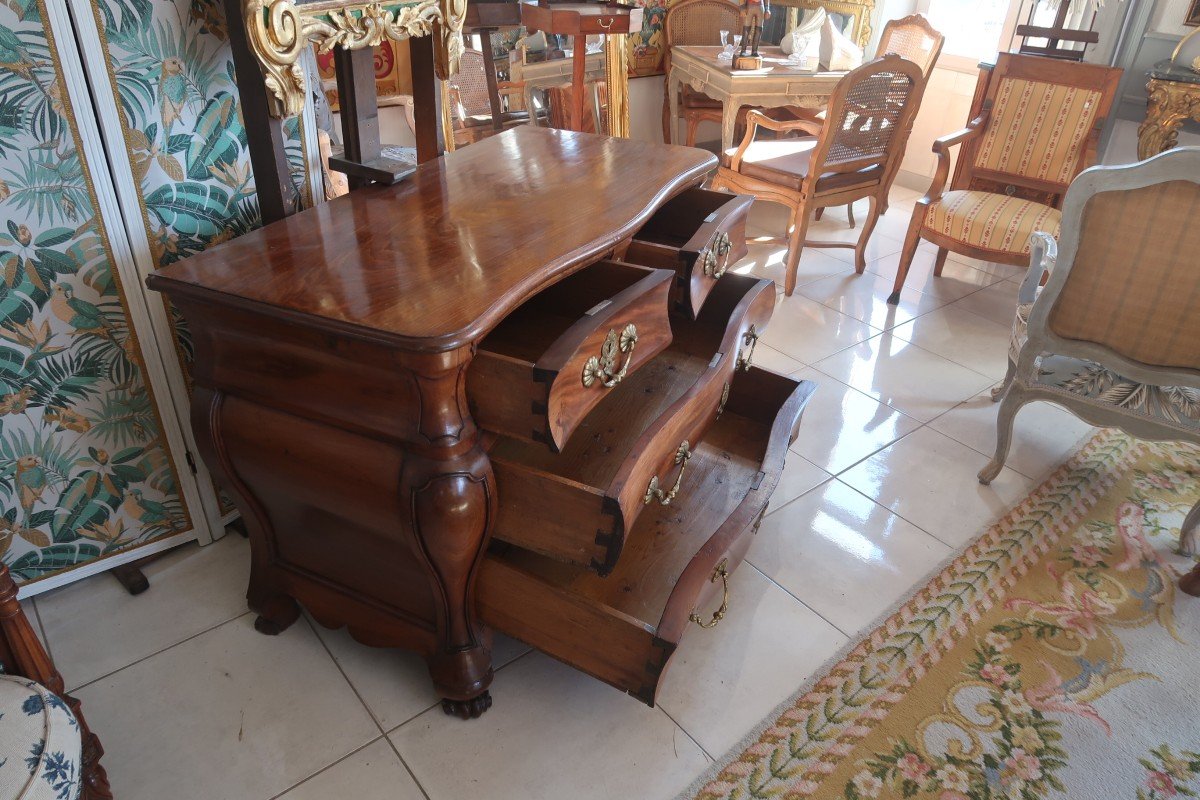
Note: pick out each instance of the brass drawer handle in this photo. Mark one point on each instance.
(603, 368)
(722, 572)
(724, 400)
(720, 248)
(654, 492)
(749, 339)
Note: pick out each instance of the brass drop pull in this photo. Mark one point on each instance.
(604, 367)
(750, 340)
(654, 492)
(724, 400)
(722, 572)
(720, 248)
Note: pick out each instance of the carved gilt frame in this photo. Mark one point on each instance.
(861, 10)
(279, 30)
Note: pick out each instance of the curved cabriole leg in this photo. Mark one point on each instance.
(864, 237)
(1004, 425)
(1188, 532)
(276, 610)
(451, 497)
(911, 240)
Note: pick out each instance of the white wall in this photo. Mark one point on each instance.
(1168, 17)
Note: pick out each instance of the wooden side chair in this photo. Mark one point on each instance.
(1114, 336)
(910, 37)
(1040, 127)
(696, 22)
(844, 159)
(470, 103)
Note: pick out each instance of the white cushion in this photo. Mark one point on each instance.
(40, 746)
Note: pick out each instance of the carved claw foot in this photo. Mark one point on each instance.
(1190, 583)
(468, 709)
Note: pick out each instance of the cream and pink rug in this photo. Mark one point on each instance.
(1053, 658)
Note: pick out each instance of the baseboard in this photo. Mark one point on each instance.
(913, 180)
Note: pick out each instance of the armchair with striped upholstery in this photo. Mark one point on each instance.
(1039, 128)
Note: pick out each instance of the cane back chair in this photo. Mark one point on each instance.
(470, 102)
(695, 22)
(1040, 127)
(848, 156)
(1114, 336)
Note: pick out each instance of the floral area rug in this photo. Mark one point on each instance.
(1054, 657)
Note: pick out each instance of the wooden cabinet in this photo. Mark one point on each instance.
(447, 407)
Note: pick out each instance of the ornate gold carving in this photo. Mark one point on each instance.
(604, 367)
(749, 340)
(616, 68)
(655, 492)
(448, 46)
(719, 248)
(278, 32)
(1168, 105)
(722, 572)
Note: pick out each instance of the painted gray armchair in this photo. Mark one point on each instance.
(1114, 335)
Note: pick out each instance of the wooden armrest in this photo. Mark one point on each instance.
(1043, 256)
(941, 148)
(755, 118)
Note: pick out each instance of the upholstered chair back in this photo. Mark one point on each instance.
(1134, 283)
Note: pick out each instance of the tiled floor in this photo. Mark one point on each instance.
(880, 488)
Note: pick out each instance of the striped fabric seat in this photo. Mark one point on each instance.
(991, 221)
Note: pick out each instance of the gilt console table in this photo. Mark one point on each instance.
(778, 83)
(1174, 96)
(513, 392)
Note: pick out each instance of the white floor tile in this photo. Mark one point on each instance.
(864, 297)
(230, 714)
(722, 681)
(768, 357)
(373, 773)
(766, 260)
(799, 476)
(395, 684)
(930, 480)
(552, 733)
(911, 379)
(808, 331)
(842, 426)
(1043, 437)
(964, 338)
(957, 279)
(997, 302)
(880, 245)
(845, 556)
(96, 627)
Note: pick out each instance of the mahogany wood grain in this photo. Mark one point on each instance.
(22, 653)
(527, 377)
(435, 262)
(633, 434)
(623, 628)
(687, 226)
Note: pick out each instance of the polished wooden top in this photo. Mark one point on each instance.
(436, 261)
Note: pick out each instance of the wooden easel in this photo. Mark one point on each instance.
(1055, 35)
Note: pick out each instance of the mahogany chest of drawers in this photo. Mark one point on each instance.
(516, 392)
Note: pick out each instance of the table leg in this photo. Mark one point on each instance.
(1167, 106)
(729, 112)
(674, 85)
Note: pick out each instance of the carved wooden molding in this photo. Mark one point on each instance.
(1169, 103)
(279, 30)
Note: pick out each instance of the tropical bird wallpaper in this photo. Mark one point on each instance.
(85, 470)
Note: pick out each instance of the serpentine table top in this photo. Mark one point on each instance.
(434, 262)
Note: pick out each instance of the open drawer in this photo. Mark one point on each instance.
(548, 363)
(634, 450)
(699, 234)
(674, 574)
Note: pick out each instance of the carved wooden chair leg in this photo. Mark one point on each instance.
(1189, 530)
(860, 249)
(997, 393)
(693, 122)
(940, 261)
(850, 213)
(911, 241)
(820, 213)
(1004, 427)
(1190, 583)
(799, 229)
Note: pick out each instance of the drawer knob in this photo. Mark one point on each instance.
(603, 368)
(720, 249)
(722, 572)
(750, 340)
(655, 492)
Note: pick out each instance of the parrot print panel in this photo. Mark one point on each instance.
(84, 468)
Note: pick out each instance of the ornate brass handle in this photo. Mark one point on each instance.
(724, 400)
(749, 339)
(720, 248)
(654, 492)
(722, 572)
(604, 367)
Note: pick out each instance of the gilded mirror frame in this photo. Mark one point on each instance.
(279, 30)
(860, 10)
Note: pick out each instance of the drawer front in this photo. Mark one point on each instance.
(539, 373)
(674, 576)
(700, 233)
(552, 505)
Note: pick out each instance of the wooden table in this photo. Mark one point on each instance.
(777, 84)
(1174, 96)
